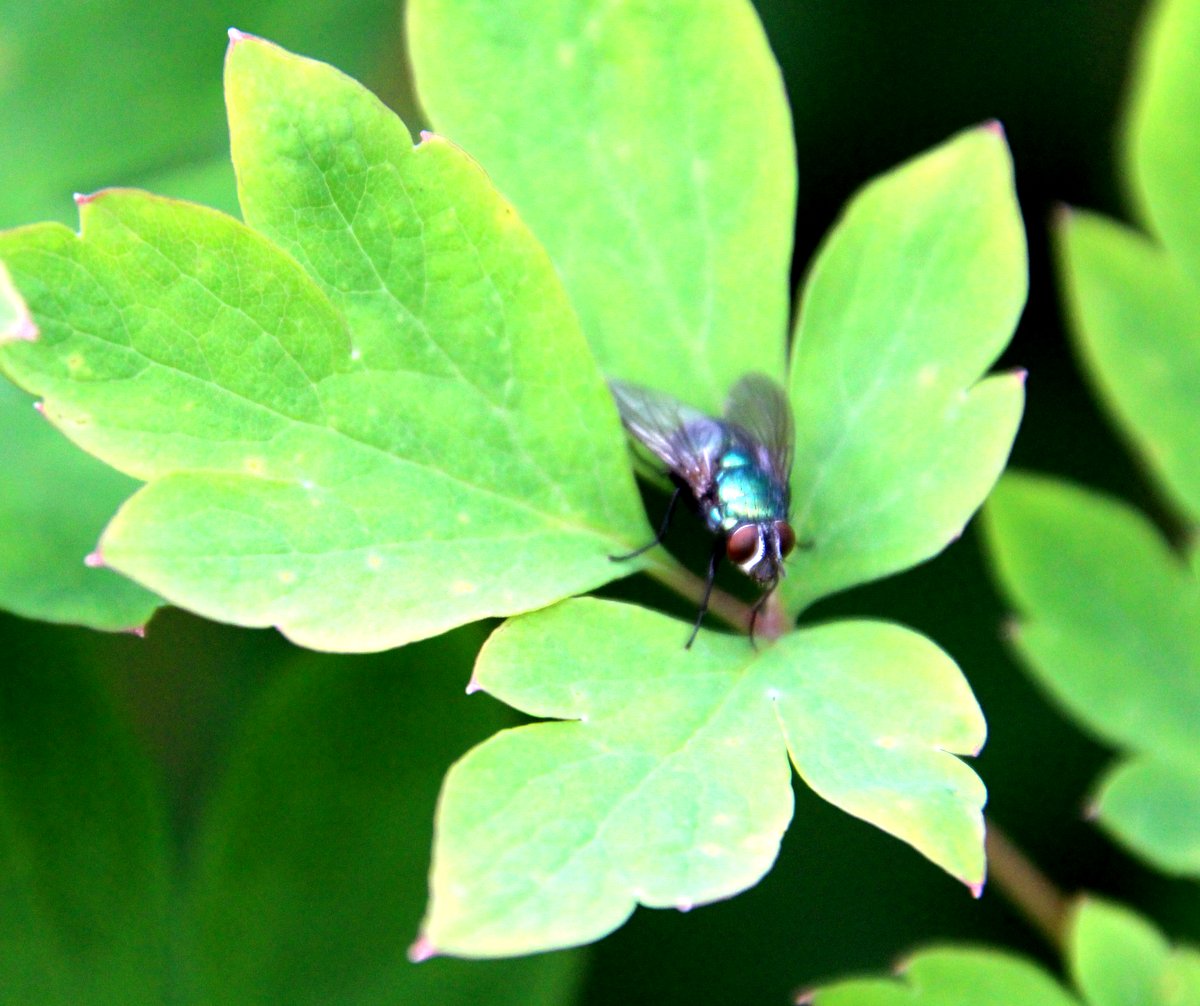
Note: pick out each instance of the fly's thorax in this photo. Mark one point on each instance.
(743, 493)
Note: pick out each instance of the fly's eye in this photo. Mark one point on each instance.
(743, 544)
(787, 537)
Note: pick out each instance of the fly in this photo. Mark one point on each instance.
(735, 471)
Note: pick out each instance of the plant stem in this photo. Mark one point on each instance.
(721, 603)
(1029, 890)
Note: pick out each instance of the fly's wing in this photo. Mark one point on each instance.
(759, 407)
(684, 439)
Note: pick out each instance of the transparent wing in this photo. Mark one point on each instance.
(684, 439)
(759, 407)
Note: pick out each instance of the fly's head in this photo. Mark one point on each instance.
(758, 549)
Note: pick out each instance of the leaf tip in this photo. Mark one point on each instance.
(1062, 215)
(83, 198)
(94, 560)
(20, 329)
(995, 127)
(39, 407)
(421, 950)
(976, 889)
(684, 906)
(1091, 810)
(805, 997)
(474, 685)
(236, 35)
(19, 326)
(1010, 629)
(136, 630)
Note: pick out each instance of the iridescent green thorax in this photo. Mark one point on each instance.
(744, 492)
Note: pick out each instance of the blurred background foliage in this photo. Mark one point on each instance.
(116, 92)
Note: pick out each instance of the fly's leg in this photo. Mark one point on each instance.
(657, 539)
(714, 561)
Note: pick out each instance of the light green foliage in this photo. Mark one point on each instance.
(1111, 627)
(409, 437)
(1137, 322)
(1118, 958)
(92, 95)
(671, 786)
(952, 976)
(1153, 806)
(649, 146)
(915, 293)
(1163, 146)
(84, 874)
(308, 866)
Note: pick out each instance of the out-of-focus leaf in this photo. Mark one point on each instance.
(53, 506)
(1118, 958)
(1137, 321)
(119, 91)
(952, 976)
(671, 787)
(410, 437)
(1164, 129)
(84, 863)
(208, 182)
(649, 146)
(1154, 807)
(1110, 625)
(310, 863)
(915, 293)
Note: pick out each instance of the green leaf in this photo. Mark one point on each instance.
(952, 976)
(409, 437)
(671, 786)
(310, 862)
(649, 146)
(915, 293)
(1137, 321)
(84, 862)
(1154, 807)
(1164, 129)
(1118, 958)
(54, 505)
(1111, 627)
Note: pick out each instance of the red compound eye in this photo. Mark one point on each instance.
(787, 537)
(743, 544)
